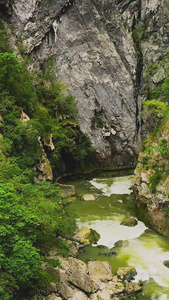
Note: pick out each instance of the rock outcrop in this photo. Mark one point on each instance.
(152, 180)
(80, 281)
(98, 49)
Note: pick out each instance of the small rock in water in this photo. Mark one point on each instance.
(131, 222)
(111, 253)
(166, 263)
(120, 244)
(81, 250)
(101, 247)
(88, 197)
(120, 201)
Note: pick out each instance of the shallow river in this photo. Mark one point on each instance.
(130, 246)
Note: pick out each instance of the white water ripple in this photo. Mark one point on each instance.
(120, 185)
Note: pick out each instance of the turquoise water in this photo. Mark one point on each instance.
(121, 245)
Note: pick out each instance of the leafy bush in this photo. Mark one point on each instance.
(16, 82)
(145, 162)
(53, 262)
(4, 45)
(163, 147)
(154, 180)
(155, 107)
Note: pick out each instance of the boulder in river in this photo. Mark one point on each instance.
(88, 197)
(67, 190)
(87, 236)
(166, 263)
(130, 222)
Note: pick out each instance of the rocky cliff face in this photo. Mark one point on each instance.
(100, 49)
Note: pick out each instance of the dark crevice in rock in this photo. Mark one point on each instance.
(139, 68)
(49, 34)
(5, 8)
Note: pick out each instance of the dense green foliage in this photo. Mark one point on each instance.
(156, 147)
(33, 215)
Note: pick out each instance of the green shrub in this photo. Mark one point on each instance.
(154, 180)
(155, 107)
(4, 45)
(63, 248)
(53, 262)
(163, 147)
(145, 162)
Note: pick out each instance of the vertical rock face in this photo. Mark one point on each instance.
(98, 49)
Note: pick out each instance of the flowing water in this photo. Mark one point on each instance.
(121, 245)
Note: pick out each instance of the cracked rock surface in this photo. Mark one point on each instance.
(100, 50)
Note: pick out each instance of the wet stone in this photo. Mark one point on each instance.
(130, 222)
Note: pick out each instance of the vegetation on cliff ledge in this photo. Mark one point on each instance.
(33, 215)
(155, 153)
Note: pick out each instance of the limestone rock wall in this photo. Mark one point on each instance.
(100, 50)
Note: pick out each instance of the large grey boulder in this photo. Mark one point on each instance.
(76, 264)
(100, 270)
(83, 281)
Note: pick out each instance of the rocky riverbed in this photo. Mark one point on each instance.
(94, 280)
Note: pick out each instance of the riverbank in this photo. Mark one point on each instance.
(120, 246)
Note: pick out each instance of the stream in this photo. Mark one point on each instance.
(121, 245)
